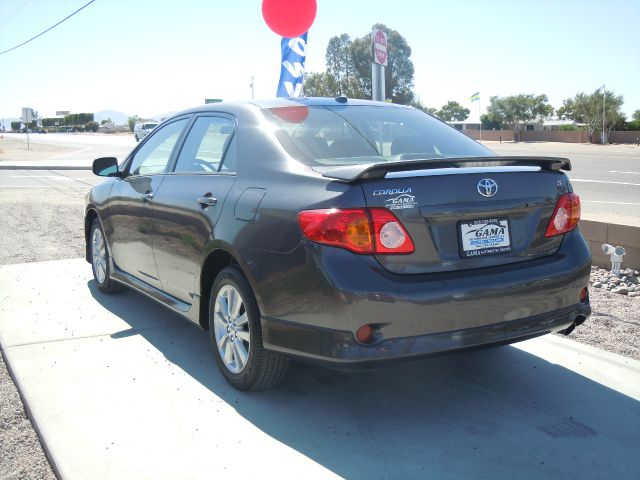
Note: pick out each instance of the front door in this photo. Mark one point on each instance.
(129, 223)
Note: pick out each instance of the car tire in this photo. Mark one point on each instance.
(236, 335)
(100, 264)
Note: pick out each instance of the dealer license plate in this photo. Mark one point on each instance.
(484, 237)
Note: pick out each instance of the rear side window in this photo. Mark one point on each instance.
(207, 147)
(354, 134)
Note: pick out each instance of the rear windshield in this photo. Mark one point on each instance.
(354, 134)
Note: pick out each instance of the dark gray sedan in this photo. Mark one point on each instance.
(346, 232)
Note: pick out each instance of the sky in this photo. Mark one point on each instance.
(149, 57)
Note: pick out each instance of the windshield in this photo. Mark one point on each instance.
(348, 135)
(149, 126)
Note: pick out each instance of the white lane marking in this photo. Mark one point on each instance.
(618, 171)
(604, 181)
(2, 187)
(50, 177)
(75, 152)
(611, 203)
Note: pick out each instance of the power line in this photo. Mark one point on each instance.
(50, 28)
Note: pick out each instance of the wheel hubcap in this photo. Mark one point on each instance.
(98, 255)
(231, 329)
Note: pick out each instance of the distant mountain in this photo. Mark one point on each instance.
(116, 117)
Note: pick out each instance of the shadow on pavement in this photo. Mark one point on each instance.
(497, 413)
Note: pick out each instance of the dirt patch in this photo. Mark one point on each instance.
(16, 149)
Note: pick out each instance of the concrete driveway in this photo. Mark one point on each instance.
(118, 387)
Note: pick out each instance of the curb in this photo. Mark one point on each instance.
(44, 167)
(596, 233)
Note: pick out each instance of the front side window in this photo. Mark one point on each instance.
(358, 134)
(207, 147)
(153, 157)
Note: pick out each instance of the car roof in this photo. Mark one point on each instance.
(287, 102)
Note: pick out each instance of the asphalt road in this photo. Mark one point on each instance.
(607, 178)
(79, 149)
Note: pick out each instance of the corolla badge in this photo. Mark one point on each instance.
(487, 187)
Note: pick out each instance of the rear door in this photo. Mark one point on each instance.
(189, 202)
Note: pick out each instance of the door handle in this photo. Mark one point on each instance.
(207, 201)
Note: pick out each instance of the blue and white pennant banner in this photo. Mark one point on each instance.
(294, 53)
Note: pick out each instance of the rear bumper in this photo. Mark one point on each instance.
(340, 347)
(319, 297)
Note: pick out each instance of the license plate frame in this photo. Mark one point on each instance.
(494, 237)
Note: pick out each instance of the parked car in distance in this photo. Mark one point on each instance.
(345, 232)
(141, 130)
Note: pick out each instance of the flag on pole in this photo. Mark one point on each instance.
(475, 96)
(294, 53)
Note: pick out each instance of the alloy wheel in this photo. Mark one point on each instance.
(99, 255)
(231, 329)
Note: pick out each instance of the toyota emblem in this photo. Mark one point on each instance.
(487, 187)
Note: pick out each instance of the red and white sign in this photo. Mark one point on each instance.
(380, 47)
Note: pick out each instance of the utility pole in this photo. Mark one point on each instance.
(251, 85)
(604, 102)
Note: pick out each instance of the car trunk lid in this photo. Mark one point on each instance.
(465, 213)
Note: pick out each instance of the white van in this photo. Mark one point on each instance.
(141, 130)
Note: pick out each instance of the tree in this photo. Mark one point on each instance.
(588, 109)
(636, 116)
(131, 121)
(490, 122)
(15, 126)
(340, 66)
(399, 71)
(518, 110)
(92, 126)
(453, 111)
(78, 119)
(349, 69)
(320, 85)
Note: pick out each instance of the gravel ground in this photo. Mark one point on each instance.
(614, 324)
(51, 229)
(38, 227)
(22, 456)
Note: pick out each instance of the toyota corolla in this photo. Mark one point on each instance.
(346, 232)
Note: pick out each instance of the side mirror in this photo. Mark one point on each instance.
(105, 167)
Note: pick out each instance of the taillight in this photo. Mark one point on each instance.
(565, 216)
(361, 230)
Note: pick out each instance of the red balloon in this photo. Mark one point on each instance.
(289, 18)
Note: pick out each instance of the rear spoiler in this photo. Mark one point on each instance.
(354, 173)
